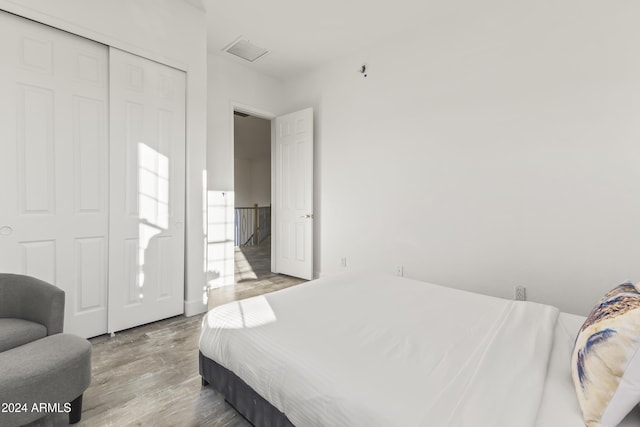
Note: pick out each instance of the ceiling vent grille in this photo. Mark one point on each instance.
(245, 49)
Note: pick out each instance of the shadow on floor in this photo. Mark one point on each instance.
(253, 276)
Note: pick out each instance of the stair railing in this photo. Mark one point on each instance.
(252, 225)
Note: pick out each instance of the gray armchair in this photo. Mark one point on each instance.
(38, 363)
(30, 309)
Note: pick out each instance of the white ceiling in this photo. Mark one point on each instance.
(303, 34)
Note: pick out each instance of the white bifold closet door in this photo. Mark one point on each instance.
(54, 165)
(147, 192)
(92, 175)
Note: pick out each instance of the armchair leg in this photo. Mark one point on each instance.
(76, 410)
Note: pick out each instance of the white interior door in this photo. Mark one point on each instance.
(147, 203)
(293, 214)
(53, 165)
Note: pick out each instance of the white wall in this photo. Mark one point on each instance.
(168, 31)
(493, 149)
(261, 181)
(231, 84)
(252, 154)
(252, 182)
(234, 84)
(242, 182)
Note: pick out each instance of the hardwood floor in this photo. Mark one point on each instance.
(253, 276)
(148, 376)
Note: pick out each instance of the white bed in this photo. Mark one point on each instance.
(371, 350)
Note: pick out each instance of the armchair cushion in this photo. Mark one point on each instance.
(54, 369)
(16, 332)
(28, 298)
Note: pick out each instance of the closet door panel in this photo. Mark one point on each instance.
(54, 165)
(147, 161)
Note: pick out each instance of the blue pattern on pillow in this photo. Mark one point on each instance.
(593, 340)
(605, 350)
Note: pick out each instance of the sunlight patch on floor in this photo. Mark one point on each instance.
(243, 269)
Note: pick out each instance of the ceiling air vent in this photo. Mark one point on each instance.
(245, 50)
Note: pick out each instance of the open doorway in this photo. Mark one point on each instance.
(267, 164)
(253, 234)
(252, 186)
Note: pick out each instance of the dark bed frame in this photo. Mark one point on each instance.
(241, 396)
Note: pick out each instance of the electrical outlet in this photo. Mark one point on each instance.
(520, 293)
(400, 270)
(343, 261)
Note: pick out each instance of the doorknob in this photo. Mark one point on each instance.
(306, 216)
(6, 230)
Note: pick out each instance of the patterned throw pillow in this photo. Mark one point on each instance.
(605, 363)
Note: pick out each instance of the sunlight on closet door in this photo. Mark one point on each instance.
(146, 258)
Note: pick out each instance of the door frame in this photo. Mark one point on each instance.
(267, 115)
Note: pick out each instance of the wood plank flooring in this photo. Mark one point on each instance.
(148, 376)
(253, 276)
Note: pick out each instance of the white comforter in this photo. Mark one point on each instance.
(368, 350)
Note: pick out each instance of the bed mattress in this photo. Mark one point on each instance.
(370, 350)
